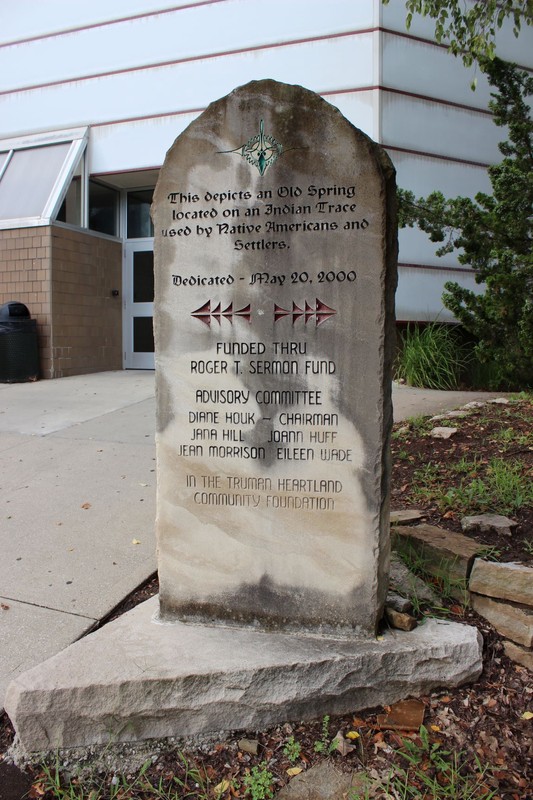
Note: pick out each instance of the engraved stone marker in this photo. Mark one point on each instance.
(275, 262)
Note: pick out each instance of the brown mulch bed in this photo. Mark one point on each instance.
(425, 469)
(484, 723)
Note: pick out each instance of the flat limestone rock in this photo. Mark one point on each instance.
(399, 603)
(135, 679)
(405, 583)
(321, 782)
(508, 581)
(457, 414)
(515, 622)
(521, 655)
(405, 515)
(446, 554)
(489, 523)
(442, 433)
(400, 620)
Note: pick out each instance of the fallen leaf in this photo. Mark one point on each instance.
(407, 715)
(352, 735)
(294, 771)
(135, 541)
(86, 505)
(222, 787)
(249, 746)
(435, 728)
(527, 715)
(341, 745)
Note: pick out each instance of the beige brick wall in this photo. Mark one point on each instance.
(25, 257)
(66, 277)
(86, 318)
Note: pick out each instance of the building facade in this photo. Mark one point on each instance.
(92, 96)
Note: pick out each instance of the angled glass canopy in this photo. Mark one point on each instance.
(35, 175)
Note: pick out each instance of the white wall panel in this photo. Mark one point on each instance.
(143, 143)
(508, 47)
(419, 293)
(424, 175)
(415, 247)
(328, 65)
(444, 130)
(428, 70)
(186, 33)
(25, 18)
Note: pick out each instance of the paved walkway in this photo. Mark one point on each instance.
(78, 503)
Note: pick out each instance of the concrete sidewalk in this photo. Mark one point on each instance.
(78, 503)
(78, 487)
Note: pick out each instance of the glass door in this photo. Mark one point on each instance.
(138, 305)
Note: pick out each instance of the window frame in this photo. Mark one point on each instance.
(78, 138)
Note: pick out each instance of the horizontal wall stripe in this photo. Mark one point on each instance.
(423, 97)
(424, 40)
(482, 164)
(436, 268)
(188, 60)
(117, 21)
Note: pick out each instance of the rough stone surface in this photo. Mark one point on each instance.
(399, 603)
(403, 581)
(135, 679)
(515, 622)
(443, 433)
(405, 515)
(508, 581)
(400, 620)
(456, 414)
(446, 554)
(321, 782)
(521, 655)
(490, 523)
(275, 271)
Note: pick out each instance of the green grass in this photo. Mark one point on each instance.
(431, 357)
(502, 486)
(425, 770)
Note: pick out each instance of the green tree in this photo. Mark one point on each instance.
(470, 29)
(493, 235)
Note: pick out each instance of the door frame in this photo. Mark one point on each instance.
(132, 360)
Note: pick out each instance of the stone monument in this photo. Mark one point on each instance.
(275, 264)
(275, 275)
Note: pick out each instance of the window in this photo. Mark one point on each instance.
(103, 208)
(36, 177)
(139, 223)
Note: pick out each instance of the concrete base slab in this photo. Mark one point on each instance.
(137, 679)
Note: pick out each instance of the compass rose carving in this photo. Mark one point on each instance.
(261, 150)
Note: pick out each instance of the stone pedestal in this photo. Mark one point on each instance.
(275, 263)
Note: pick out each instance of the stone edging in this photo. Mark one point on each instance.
(502, 593)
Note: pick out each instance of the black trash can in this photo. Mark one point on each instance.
(19, 350)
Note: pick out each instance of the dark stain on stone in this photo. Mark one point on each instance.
(271, 607)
